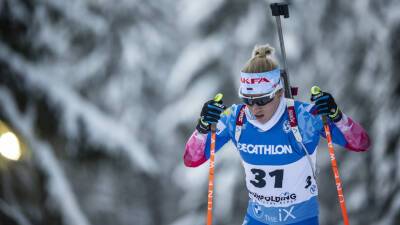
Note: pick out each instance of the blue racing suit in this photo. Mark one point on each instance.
(279, 178)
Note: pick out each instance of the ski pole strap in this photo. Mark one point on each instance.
(296, 131)
(239, 123)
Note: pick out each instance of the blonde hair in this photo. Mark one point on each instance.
(261, 60)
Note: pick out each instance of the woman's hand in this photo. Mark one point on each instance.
(210, 113)
(326, 106)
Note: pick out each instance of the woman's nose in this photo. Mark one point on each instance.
(255, 109)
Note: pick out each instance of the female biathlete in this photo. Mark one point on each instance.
(280, 171)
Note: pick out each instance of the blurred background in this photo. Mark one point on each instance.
(98, 97)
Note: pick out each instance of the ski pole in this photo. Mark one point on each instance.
(315, 90)
(217, 98)
(278, 10)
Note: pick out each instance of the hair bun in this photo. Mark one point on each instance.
(262, 51)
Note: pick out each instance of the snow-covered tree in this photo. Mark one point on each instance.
(105, 94)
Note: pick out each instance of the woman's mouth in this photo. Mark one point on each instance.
(258, 116)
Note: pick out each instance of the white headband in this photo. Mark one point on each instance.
(260, 83)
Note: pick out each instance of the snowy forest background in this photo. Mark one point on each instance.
(105, 94)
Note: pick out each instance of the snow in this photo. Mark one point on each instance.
(78, 12)
(191, 218)
(192, 14)
(249, 28)
(102, 130)
(58, 184)
(195, 57)
(14, 213)
(130, 77)
(188, 107)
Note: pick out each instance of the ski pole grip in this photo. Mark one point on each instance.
(315, 90)
(218, 97)
(280, 9)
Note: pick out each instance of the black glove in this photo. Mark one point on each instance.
(326, 105)
(210, 113)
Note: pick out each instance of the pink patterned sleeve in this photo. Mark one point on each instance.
(356, 137)
(194, 151)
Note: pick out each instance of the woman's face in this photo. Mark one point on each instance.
(264, 113)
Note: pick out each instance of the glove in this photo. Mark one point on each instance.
(210, 113)
(326, 105)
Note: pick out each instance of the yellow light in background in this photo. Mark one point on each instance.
(9, 146)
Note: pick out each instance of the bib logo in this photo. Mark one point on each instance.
(257, 80)
(258, 212)
(265, 149)
(283, 198)
(286, 126)
(220, 127)
(288, 214)
(313, 189)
